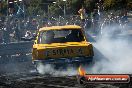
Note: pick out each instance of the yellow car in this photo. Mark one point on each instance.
(62, 44)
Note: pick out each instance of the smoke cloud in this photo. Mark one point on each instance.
(113, 51)
(50, 70)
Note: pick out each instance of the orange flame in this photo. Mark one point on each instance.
(81, 71)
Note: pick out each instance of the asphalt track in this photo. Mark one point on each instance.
(35, 80)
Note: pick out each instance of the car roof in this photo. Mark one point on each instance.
(65, 27)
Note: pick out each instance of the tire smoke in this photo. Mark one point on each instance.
(48, 69)
(115, 48)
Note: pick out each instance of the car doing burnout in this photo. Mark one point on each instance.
(62, 44)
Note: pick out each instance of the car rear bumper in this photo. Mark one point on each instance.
(65, 60)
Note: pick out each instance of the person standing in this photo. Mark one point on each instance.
(82, 13)
(1, 37)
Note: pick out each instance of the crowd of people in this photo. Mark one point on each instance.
(98, 18)
(13, 29)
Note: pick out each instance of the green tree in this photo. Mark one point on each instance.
(90, 5)
(72, 7)
(109, 4)
(34, 7)
(4, 7)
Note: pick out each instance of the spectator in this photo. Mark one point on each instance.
(95, 21)
(28, 35)
(95, 15)
(82, 13)
(17, 30)
(75, 35)
(124, 17)
(1, 37)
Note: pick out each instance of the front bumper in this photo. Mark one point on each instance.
(66, 60)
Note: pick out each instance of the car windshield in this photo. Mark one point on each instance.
(60, 36)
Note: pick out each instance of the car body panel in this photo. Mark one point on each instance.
(61, 50)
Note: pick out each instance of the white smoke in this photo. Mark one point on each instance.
(116, 52)
(50, 70)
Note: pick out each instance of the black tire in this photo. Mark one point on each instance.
(81, 80)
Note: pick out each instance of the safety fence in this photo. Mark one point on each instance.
(15, 52)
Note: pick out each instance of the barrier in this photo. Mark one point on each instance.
(15, 52)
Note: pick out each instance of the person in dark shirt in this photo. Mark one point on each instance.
(75, 35)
